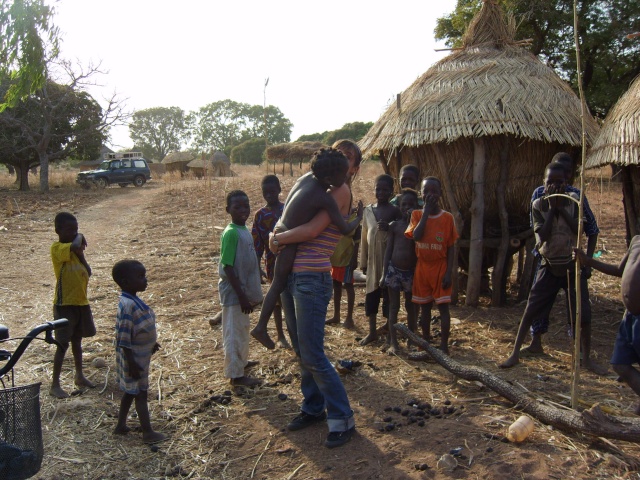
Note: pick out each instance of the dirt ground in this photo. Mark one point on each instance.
(173, 227)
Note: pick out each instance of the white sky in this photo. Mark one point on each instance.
(329, 62)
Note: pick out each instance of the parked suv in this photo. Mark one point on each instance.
(121, 172)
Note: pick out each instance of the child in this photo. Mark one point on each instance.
(135, 343)
(308, 196)
(263, 223)
(375, 231)
(409, 178)
(399, 265)
(434, 232)
(555, 222)
(626, 350)
(70, 299)
(239, 288)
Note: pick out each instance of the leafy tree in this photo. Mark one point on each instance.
(353, 131)
(249, 152)
(26, 32)
(610, 60)
(157, 131)
(278, 126)
(312, 137)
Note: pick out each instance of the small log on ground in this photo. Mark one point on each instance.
(589, 422)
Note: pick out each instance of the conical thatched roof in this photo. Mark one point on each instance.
(220, 157)
(178, 157)
(492, 86)
(619, 139)
(293, 150)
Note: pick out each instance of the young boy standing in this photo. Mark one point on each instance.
(409, 178)
(375, 231)
(136, 342)
(434, 232)
(626, 350)
(399, 266)
(263, 224)
(70, 299)
(555, 222)
(239, 288)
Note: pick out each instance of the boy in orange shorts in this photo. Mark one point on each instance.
(434, 232)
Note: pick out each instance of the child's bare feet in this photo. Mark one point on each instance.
(372, 337)
(596, 367)
(153, 437)
(332, 321)
(245, 382)
(83, 381)
(121, 430)
(58, 392)
(531, 350)
(393, 349)
(348, 324)
(263, 337)
(509, 362)
(282, 343)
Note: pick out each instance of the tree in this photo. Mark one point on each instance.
(249, 152)
(157, 131)
(353, 131)
(610, 60)
(278, 126)
(26, 32)
(61, 119)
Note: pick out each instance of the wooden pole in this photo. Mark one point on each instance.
(578, 273)
(477, 221)
(264, 121)
(498, 269)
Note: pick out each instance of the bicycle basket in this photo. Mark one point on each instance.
(21, 447)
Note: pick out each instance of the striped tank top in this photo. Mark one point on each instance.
(314, 255)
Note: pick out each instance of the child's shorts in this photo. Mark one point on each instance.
(626, 350)
(342, 274)
(399, 279)
(80, 322)
(427, 283)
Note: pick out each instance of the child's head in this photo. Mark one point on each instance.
(352, 151)
(384, 188)
(238, 206)
(408, 200)
(431, 186)
(130, 275)
(409, 177)
(66, 227)
(555, 176)
(330, 166)
(271, 189)
(566, 161)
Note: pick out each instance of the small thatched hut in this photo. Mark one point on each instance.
(217, 165)
(485, 120)
(292, 152)
(618, 143)
(177, 161)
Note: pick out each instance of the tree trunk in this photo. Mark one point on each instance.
(22, 176)
(44, 171)
(498, 269)
(477, 227)
(592, 422)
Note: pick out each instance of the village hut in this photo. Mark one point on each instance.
(618, 143)
(293, 152)
(95, 163)
(216, 165)
(177, 161)
(485, 120)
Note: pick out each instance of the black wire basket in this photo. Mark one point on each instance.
(21, 448)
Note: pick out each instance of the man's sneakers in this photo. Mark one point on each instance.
(337, 439)
(305, 420)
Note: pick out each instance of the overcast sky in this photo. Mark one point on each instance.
(328, 62)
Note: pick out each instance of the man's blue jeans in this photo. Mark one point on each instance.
(305, 303)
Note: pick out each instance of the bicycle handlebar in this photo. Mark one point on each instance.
(45, 327)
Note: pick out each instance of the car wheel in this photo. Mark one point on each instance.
(123, 184)
(102, 182)
(138, 181)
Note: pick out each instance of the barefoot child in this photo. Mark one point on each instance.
(239, 288)
(556, 229)
(399, 265)
(375, 231)
(70, 299)
(263, 224)
(308, 196)
(136, 341)
(434, 232)
(626, 350)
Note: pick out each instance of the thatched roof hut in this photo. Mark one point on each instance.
(177, 161)
(485, 120)
(293, 152)
(618, 143)
(217, 165)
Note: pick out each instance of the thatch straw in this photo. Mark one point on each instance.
(293, 151)
(178, 157)
(490, 87)
(618, 142)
